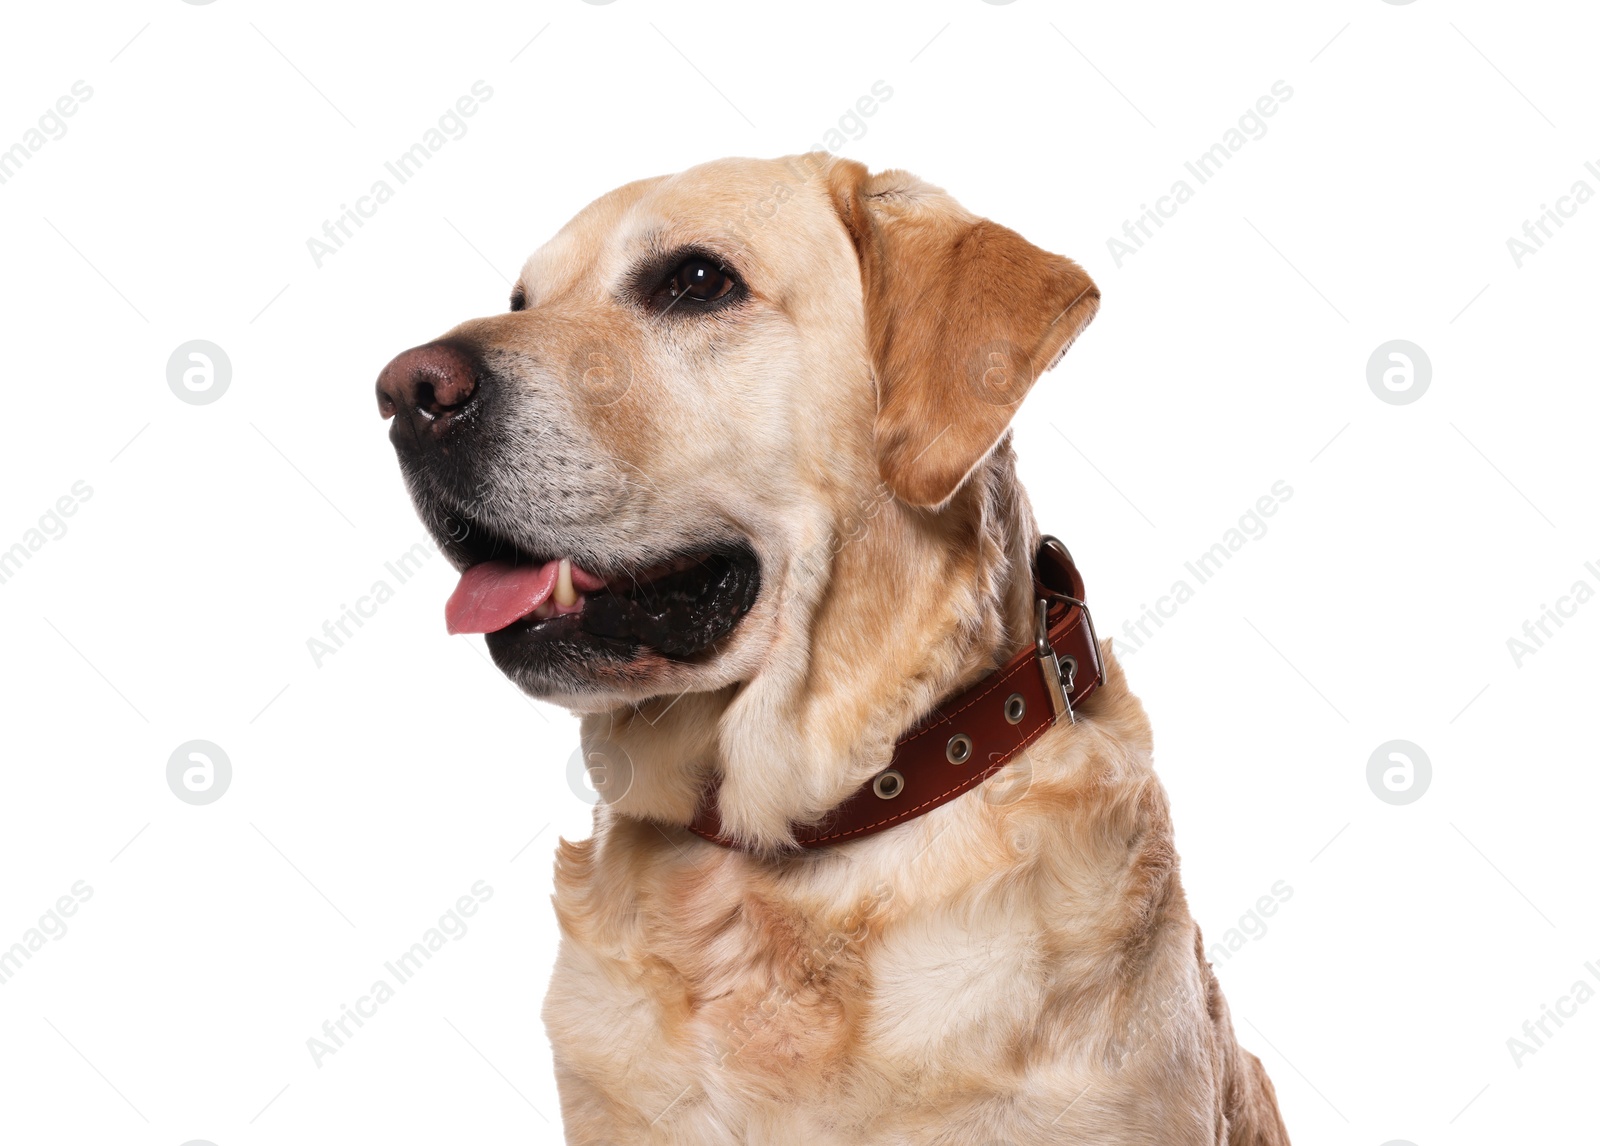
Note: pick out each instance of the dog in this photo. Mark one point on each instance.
(733, 480)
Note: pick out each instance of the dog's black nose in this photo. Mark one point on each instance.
(425, 389)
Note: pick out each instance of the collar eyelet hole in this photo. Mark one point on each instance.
(1016, 708)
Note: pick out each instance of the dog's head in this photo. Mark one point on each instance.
(707, 388)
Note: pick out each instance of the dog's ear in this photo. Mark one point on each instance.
(962, 316)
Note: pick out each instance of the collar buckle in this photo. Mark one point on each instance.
(1057, 685)
(1070, 601)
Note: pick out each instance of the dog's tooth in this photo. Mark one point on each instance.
(565, 594)
(544, 611)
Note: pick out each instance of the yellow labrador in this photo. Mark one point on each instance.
(733, 479)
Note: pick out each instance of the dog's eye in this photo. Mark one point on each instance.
(699, 280)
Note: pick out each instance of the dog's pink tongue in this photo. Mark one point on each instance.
(494, 594)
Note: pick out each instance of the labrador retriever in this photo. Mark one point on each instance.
(881, 857)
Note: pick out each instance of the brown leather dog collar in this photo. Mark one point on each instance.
(972, 735)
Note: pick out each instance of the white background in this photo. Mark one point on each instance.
(370, 792)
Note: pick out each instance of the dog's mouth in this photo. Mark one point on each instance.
(554, 608)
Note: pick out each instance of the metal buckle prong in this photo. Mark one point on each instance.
(1059, 690)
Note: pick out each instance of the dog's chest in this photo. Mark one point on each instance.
(712, 1001)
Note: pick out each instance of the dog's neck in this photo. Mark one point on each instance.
(825, 711)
